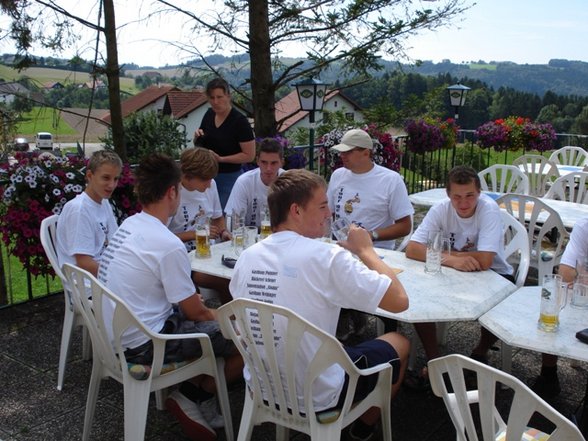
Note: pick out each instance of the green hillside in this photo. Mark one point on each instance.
(42, 75)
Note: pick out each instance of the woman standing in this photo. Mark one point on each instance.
(228, 134)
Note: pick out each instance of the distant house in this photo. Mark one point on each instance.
(188, 107)
(50, 85)
(9, 91)
(289, 116)
(151, 99)
(98, 84)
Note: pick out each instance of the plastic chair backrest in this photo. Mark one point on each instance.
(500, 178)
(572, 187)
(271, 338)
(49, 241)
(570, 155)
(542, 223)
(459, 402)
(540, 171)
(404, 242)
(516, 244)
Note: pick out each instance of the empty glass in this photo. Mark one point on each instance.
(340, 228)
(580, 296)
(436, 246)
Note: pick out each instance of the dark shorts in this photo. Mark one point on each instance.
(180, 350)
(368, 354)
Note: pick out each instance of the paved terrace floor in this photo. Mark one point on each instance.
(31, 408)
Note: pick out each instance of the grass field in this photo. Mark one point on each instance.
(42, 75)
(44, 119)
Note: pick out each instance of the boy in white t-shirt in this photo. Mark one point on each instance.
(547, 384)
(148, 267)
(87, 222)
(199, 198)
(249, 194)
(473, 225)
(316, 279)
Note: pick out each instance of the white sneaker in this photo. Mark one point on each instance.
(188, 414)
(211, 413)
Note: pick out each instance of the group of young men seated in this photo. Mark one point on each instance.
(145, 259)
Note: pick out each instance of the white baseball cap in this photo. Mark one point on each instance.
(352, 139)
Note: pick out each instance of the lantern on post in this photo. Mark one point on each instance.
(311, 94)
(457, 96)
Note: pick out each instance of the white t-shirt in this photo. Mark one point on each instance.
(577, 247)
(375, 199)
(84, 227)
(147, 266)
(483, 231)
(249, 194)
(314, 279)
(194, 204)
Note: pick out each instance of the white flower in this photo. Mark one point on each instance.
(56, 209)
(33, 184)
(70, 175)
(18, 178)
(78, 188)
(56, 191)
(68, 188)
(54, 178)
(47, 198)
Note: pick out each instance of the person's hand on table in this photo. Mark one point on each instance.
(461, 263)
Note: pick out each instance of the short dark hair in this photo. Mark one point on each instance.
(462, 175)
(270, 145)
(291, 187)
(218, 83)
(155, 174)
(198, 163)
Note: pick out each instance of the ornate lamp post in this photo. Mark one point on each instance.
(457, 96)
(311, 94)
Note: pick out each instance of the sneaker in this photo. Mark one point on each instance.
(190, 418)
(211, 413)
(546, 387)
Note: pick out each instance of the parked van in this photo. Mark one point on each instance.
(44, 141)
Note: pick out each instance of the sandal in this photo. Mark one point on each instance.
(418, 382)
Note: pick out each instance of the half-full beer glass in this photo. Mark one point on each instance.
(266, 226)
(553, 299)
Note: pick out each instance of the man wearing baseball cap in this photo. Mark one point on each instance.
(368, 194)
(373, 197)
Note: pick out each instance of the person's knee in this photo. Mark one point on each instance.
(399, 342)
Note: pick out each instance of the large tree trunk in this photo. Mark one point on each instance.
(261, 69)
(112, 73)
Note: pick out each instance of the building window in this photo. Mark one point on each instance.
(335, 103)
(349, 116)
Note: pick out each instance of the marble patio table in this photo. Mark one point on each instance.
(569, 212)
(449, 296)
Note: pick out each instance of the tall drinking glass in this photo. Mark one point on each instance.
(436, 246)
(553, 299)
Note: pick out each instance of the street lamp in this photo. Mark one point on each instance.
(311, 94)
(457, 96)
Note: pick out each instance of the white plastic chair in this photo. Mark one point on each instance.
(72, 318)
(516, 252)
(572, 187)
(542, 223)
(138, 380)
(500, 178)
(487, 423)
(570, 155)
(285, 396)
(540, 171)
(406, 238)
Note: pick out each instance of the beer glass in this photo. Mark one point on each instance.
(553, 299)
(580, 296)
(340, 228)
(250, 236)
(239, 240)
(203, 237)
(436, 246)
(266, 227)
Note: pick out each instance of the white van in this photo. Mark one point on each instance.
(44, 141)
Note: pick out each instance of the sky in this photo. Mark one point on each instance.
(522, 31)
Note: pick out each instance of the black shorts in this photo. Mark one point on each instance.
(368, 354)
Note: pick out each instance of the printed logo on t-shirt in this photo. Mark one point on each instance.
(349, 203)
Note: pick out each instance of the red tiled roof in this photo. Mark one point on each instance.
(179, 103)
(288, 109)
(141, 100)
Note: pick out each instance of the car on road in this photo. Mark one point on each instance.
(20, 144)
(44, 141)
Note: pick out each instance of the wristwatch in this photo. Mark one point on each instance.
(374, 234)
